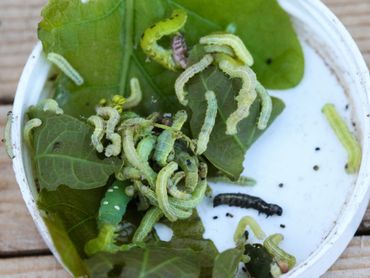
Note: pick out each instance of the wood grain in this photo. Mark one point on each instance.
(354, 262)
(18, 233)
(32, 267)
(18, 25)
(355, 15)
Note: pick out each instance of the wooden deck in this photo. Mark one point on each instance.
(22, 251)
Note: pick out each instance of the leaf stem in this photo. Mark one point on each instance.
(128, 43)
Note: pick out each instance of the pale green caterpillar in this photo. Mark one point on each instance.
(197, 195)
(114, 117)
(234, 42)
(113, 149)
(271, 244)
(208, 124)
(27, 131)
(189, 164)
(151, 217)
(145, 147)
(242, 226)
(266, 106)
(130, 173)
(345, 137)
(161, 189)
(66, 68)
(52, 106)
(134, 159)
(219, 49)
(153, 199)
(174, 191)
(7, 135)
(112, 209)
(167, 138)
(135, 96)
(185, 76)
(134, 123)
(99, 131)
(151, 36)
(246, 181)
(247, 93)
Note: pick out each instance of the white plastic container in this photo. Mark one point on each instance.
(334, 64)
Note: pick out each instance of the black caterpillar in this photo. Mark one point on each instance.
(247, 201)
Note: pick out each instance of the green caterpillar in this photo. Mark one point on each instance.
(344, 135)
(151, 36)
(167, 138)
(112, 209)
(271, 244)
(189, 165)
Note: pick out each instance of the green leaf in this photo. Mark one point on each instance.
(227, 263)
(264, 27)
(77, 211)
(228, 159)
(145, 263)
(63, 244)
(64, 155)
(188, 233)
(260, 263)
(188, 228)
(101, 40)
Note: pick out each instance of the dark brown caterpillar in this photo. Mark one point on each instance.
(247, 201)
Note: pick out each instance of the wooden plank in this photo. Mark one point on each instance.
(18, 232)
(354, 262)
(42, 266)
(18, 25)
(355, 16)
